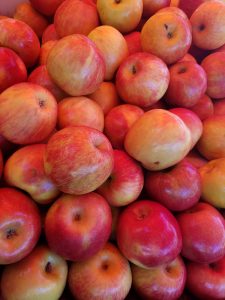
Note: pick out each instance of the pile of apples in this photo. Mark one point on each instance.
(112, 150)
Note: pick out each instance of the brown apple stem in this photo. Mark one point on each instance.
(48, 267)
(10, 233)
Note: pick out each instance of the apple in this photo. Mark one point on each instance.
(195, 158)
(209, 33)
(24, 169)
(82, 227)
(118, 121)
(80, 111)
(112, 45)
(201, 245)
(124, 15)
(28, 113)
(213, 181)
(151, 7)
(76, 65)
(20, 224)
(12, 68)
(41, 275)
(188, 83)
(26, 13)
(204, 108)
(188, 57)
(49, 34)
(158, 139)
(142, 79)
(46, 7)
(21, 38)
(207, 281)
(219, 107)
(40, 76)
(167, 35)
(211, 144)
(178, 188)
(166, 281)
(220, 49)
(125, 182)
(78, 159)
(213, 65)
(44, 51)
(75, 16)
(106, 275)
(133, 40)
(7, 9)
(174, 9)
(148, 235)
(106, 96)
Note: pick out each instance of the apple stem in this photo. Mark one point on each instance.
(48, 267)
(10, 233)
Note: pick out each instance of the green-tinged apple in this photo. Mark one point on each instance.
(75, 16)
(78, 159)
(219, 107)
(12, 68)
(150, 7)
(44, 51)
(148, 234)
(204, 108)
(203, 233)
(25, 12)
(20, 224)
(21, 38)
(188, 83)
(24, 169)
(167, 35)
(80, 111)
(124, 15)
(178, 188)
(39, 276)
(133, 40)
(40, 76)
(213, 182)
(76, 65)
(119, 120)
(112, 45)
(208, 25)
(49, 34)
(125, 182)
(46, 7)
(207, 281)
(28, 113)
(106, 96)
(142, 79)
(106, 275)
(77, 227)
(214, 66)
(158, 139)
(167, 281)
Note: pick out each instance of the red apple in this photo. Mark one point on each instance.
(204, 108)
(190, 6)
(28, 113)
(45, 50)
(203, 233)
(20, 225)
(12, 68)
(177, 188)
(78, 159)
(219, 107)
(24, 169)
(46, 7)
(188, 57)
(142, 79)
(125, 182)
(49, 34)
(148, 235)
(133, 40)
(41, 275)
(76, 65)
(151, 7)
(82, 227)
(166, 281)
(195, 158)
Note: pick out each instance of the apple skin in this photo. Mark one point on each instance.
(188, 83)
(49, 34)
(178, 188)
(80, 111)
(207, 281)
(118, 121)
(201, 245)
(219, 107)
(20, 225)
(28, 113)
(166, 281)
(41, 275)
(44, 51)
(76, 65)
(209, 33)
(151, 7)
(24, 169)
(195, 158)
(21, 38)
(204, 108)
(75, 16)
(12, 68)
(84, 223)
(142, 79)
(46, 7)
(106, 275)
(78, 159)
(190, 6)
(133, 40)
(138, 236)
(125, 182)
